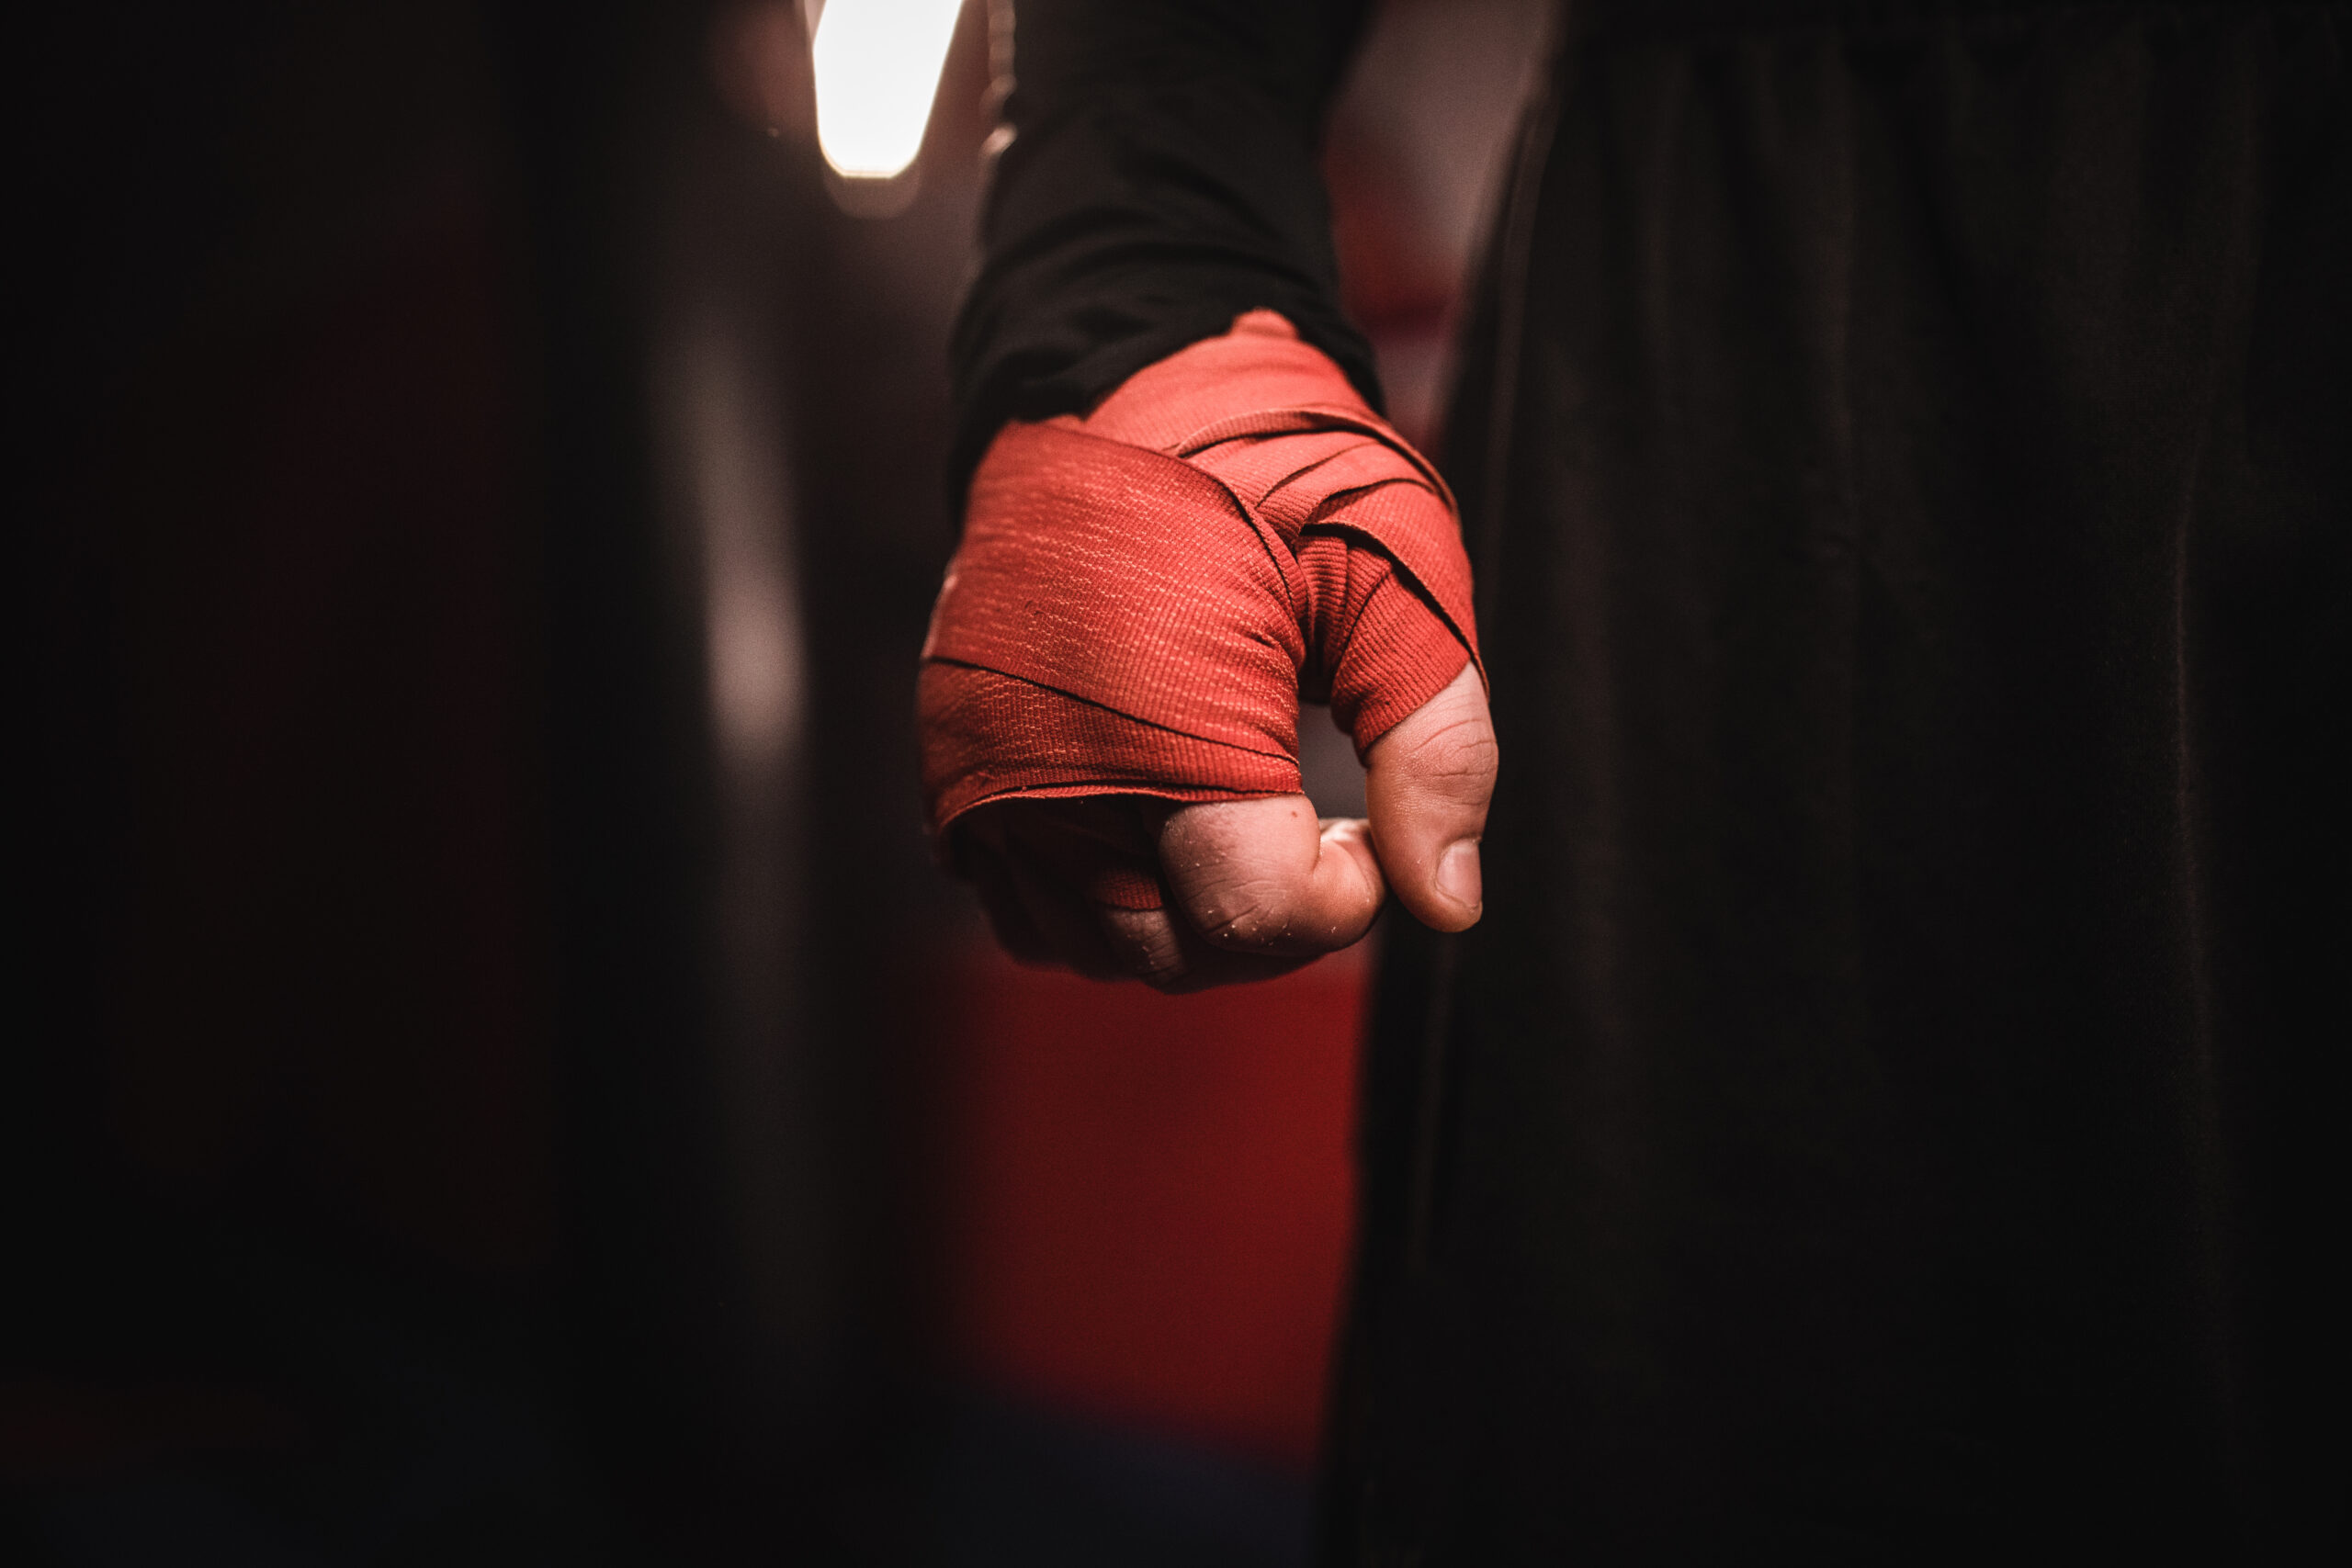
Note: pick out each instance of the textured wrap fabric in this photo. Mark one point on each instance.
(1143, 595)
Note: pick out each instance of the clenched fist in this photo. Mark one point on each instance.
(1109, 693)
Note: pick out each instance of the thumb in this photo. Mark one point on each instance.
(1426, 787)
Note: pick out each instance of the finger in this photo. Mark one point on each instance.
(1264, 877)
(1168, 956)
(1143, 943)
(1000, 901)
(1063, 918)
(1071, 852)
(1426, 785)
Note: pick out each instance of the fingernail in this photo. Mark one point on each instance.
(1457, 873)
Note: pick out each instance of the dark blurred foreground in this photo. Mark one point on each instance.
(498, 1079)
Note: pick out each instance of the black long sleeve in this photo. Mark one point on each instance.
(1159, 179)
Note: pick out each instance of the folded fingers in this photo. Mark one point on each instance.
(1062, 885)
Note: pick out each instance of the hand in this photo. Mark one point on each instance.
(1140, 597)
(1252, 888)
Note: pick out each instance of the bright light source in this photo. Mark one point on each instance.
(877, 69)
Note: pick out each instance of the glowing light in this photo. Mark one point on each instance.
(878, 69)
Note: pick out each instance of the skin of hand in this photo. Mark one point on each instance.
(1260, 886)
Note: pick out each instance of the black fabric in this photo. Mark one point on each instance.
(1892, 1111)
(1159, 179)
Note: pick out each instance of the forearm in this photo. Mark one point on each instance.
(1159, 180)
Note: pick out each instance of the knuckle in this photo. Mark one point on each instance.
(1145, 946)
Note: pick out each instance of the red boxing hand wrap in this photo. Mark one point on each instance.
(1142, 595)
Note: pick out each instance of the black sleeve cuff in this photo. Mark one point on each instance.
(1161, 179)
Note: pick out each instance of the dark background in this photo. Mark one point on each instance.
(497, 1076)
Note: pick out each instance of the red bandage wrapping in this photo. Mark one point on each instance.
(1142, 595)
